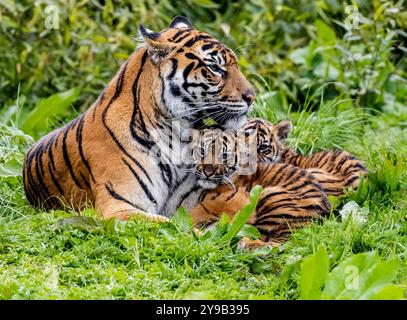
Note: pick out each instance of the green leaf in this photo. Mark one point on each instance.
(313, 273)
(390, 292)
(249, 231)
(206, 4)
(12, 168)
(244, 214)
(219, 230)
(325, 34)
(182, 219)
(361, 276)
(209, 122)
(47, 109)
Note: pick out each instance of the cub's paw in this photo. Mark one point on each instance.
(248, 244)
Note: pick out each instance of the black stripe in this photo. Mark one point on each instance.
(174, 68)
(302, 185)
(178, 35)
(66, 154)
(79, 140)
(186, 194)
(27, 187)
(114, 194)
(187, 71)
(112, 135)
(140, 124)
(51, 164)
(349, 182)
(85, 180)
(314, 207)
(31, 183)
(321, 165)
(208, 46)
(54, 180)
(275, 180)
(206, 209)
(232, 195)
(40, 184)
(166, 173)
(141, 183)
(268, 196)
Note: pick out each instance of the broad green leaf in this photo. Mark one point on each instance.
(390, 292)
(182, 219)
(12, 168)
(361, 276)
(219, 230)
(249, 231)
(46, 109)
(244, 214)
(325, 34)
(209, 122)
(313, 273)
(298, 56)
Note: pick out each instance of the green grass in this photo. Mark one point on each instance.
(41, 258)
(341, 87)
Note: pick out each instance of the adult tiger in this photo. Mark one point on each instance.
(104, 156)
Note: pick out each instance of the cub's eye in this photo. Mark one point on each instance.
(264, 147)
(215, 68)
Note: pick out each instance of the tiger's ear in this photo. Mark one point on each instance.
(283, 128)
(157, 49)
(180, 22)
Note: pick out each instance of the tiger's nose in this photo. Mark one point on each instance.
(209, 170)
(249, 96)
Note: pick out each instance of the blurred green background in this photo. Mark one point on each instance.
(288, 49)
(337, 69)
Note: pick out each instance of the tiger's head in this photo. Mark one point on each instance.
(215, 157)
(270, 138)
(200, 77)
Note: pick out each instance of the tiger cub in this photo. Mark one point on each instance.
(291, 198)
(335, 170)
(292, 195)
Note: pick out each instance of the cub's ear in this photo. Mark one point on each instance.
(157, 49)
(180, 22)
(283, 128)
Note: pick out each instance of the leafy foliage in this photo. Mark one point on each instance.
(338, 72)
(362, 276)
(288, 47)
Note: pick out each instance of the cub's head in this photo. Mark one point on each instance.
(200, 77)
(216, 158)
(270, 138)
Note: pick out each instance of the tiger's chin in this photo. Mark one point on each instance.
(234, 122)
(207, 184)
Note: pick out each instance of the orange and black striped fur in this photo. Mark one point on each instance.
(336, 170)
(292, 195)
(113, 156)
